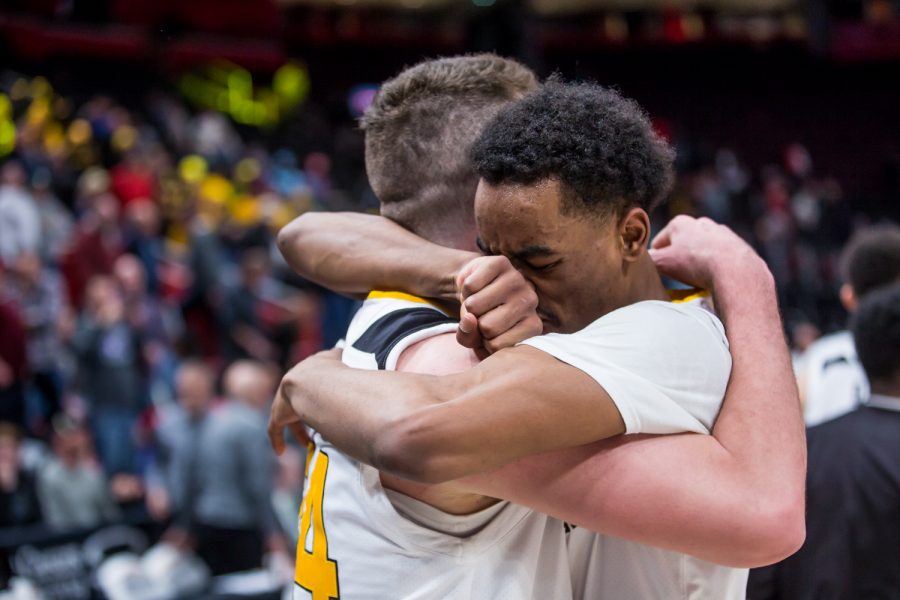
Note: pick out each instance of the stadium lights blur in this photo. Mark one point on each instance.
(360, 98)
(229, 89)
(7, 137)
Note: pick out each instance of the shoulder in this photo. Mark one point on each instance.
(384, 327)
(651, 328)
(665, 365)
(437, 355)
(673, 319)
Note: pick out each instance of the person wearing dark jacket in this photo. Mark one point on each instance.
(852, 544)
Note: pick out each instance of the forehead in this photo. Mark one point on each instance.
(519, 213)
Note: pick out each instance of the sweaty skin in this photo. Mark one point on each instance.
(739, 503)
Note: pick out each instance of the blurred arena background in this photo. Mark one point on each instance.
(151, 150)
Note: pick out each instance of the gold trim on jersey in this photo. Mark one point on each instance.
(680, 296)
(675, 296)
(378, 295)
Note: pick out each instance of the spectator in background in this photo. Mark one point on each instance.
(20, 222)
(142, 238)
(146, 314)
(131, 180)
(775, 229)
(13, 359)
(852, 544)
(71, 486)
(38, 293)
(97, 244)
(18, 489)
(207, 263)
(214, 138)
(831, 380)
(177, 434)
(110, 373)
(241, 311)
(233, 475)
(56, 220)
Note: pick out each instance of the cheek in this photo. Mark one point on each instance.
(556, 287)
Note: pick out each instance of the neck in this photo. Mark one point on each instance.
(645, 283)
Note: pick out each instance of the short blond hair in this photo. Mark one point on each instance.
(419, 130)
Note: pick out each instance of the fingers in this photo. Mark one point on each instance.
(526, 328)
(498, 303)
(503, 318)
(662, 239)
(662, 258)
(298, 430)
(275, 428)
(678, 226)
(463, 275)
(468, 334)
(480, 272)
(676, 265)
(501, 337)
(275, 431)
(509, 288)
(276, 436)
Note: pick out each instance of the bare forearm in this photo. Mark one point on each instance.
(354, 253)
(683, 492)
(354, 409)
(761, 423)
(435, 429)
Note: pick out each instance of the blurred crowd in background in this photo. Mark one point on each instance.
(140, 295)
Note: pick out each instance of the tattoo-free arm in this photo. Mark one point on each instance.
(432, 429)
(354, 253)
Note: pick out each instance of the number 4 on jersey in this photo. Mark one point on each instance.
(315, 572)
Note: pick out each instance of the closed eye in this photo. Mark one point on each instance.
(482, 246)
(545, 267)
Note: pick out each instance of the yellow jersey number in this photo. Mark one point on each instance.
(315, 572)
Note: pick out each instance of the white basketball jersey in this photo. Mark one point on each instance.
(637, 353)
(831, 379)
(354, 542)
(604, 567)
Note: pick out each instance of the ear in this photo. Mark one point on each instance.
(634, 233)
(848, 297)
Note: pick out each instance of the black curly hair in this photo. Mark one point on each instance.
(871, 258)
(598, 143)
(876, 333)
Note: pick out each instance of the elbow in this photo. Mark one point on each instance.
(778, 531)
(290, 235)
(409, 448)
(786, 528)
